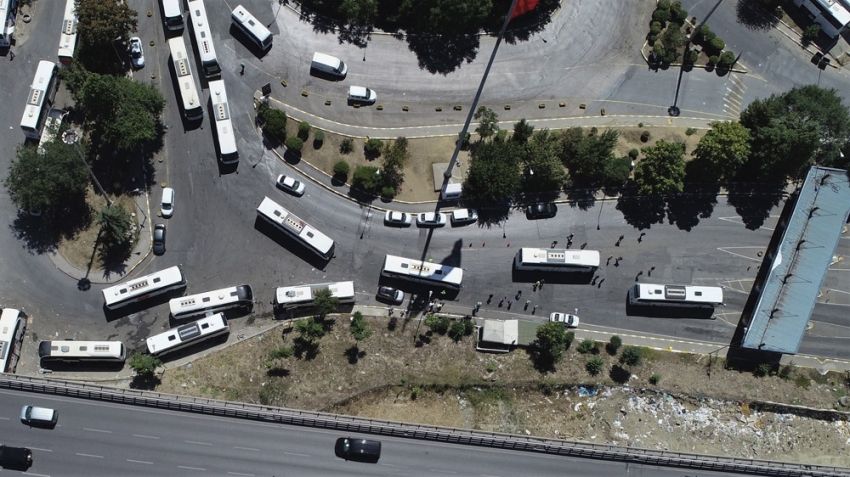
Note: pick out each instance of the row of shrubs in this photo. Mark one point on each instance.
(667, 39)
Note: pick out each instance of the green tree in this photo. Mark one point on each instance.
(592, 157)
(359, 330)
(115, 225)
(295, 143)
(373, 147)
(618, 171)
(673, 40)
(488, 122)
(594, 365)
(274, 121)
(551, 343)
(494, 172)
(396, 156)
(39, 181)
(522, 131)
(341, 168)
(726, 147)
(144, 364)
(122, 112)
(310, 330)
(100, 23)
(541, 156)
(363, 12)
(794, 130)
(632, 356)
(662, 171)
(324, 303)
(438, 323)
(571, 140)
(366, 177)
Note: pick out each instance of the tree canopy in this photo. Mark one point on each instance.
(489, 122)
(590, 157)
(101, 22)
(115, 224)
(325, 303)
(726, 147)
(494, 173)
(541, 156)
(122, 112)
(551, 343)
(662, 171)
(792, 131)
(39, 181)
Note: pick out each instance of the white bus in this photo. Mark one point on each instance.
(426, 273)
(240, 296)
(203, 38)
(186, 86)
(40, 99)
(253, 29)
(144, 287)
(86, 351)
(304, 295)
(51, 127)
(223, 126)
(188, 334)
(8, 10)
(556, 260)
(647, 294)
(284, 220)
(173, 14)
(13, 323)
(68, 36)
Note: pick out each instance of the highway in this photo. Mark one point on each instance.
(99, 439)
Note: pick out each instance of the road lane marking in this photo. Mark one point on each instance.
(199, 443)
(299, 455)
(140, 461)
(145, 437)
(191, 468)
(246, 448)
(240, 473)
(97, 430)
(393, 465)
(37, 475)
(486, 475)
(90, 455)
(442, 471)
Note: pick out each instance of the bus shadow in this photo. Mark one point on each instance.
(195, 348)
(561, 278)
(229, 314)
(142, 306)
(669, 311)
(80, 366)
(290, 244)
(291, 313)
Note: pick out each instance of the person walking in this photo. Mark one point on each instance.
(11, 55)
(510, 303)
(542, 281)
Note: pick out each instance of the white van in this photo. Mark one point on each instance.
(464, 216)
(173, 14)
(329, 64)
(39, 416)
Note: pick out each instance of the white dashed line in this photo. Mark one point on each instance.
(97, 430)
(139, 461)
(191, 468)
(199, 443)
(145, 437)
(90, 455)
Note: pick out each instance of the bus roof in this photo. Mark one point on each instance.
(68, 37)
(684, 293)
(554, 256)
(300, 293)
(221, 116)
(426, 270)
(143, 285)
(288, 221)
(38, 90)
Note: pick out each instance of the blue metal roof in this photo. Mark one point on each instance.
(799, 266)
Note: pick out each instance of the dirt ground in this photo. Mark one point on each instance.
(405, 375)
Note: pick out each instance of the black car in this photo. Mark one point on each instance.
(362, 450)
(159, 239)
(541, 210)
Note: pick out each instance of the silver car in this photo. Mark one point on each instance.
(431, 219)
(291, 185)
(137, 53)
(399, 219)
(570, 321)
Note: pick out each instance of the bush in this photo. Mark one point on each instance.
(690, 132)
(457, 330)
(661, 16)
(319, 136)
(586, 346)
(663, 5)
(655, 379)
(358, 327)
(692, 57)
(341, 168)
(366, 178)
(713, 59)
(414, 393)
(726, 59)
(347, 146)
(144, 364)
(388, 192)
(373, 147)
(633, 153)
(303, 128)
(762, 370)
(294, 143)
(644, 137)
(811, 32)
(717, 45)
(613, 345)
(282, 352)
(655, 28)
(632, 356)
(594, 365)
(568, 339)
(438, 323)
(274, 121)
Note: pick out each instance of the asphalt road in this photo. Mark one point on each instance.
(94, 439)
(213, 233)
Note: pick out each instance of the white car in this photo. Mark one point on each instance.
(359, 94)
(291, 185)
(137, 53)
(431, 219)
(400, 219)
(166, 207)
(570, 321)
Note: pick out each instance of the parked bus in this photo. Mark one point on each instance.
(240, 296)
(556, 260)
(287, 222)
(303, 295)
(173, 13)
(203, 38)
(426, 273)
(13, 324)
(84, 351)
(188, 334)
(144, 287)
(40, 99)
(647, 294)
(68, 36)
(223, 127)
(254, 30)
(187, 89)
(8, 11)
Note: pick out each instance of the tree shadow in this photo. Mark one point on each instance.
(542, 362)
(641, 212)
(304, 349)
(754, 201)
(583, 199)
(354, 354)
(146, 383)
(698, 198)
(277, 372)
(62, 221)
(754, 16)
(357, 35)
(619, 374)
(443, 54)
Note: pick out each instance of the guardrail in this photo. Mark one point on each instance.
(414, 431)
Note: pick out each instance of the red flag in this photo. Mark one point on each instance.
(523, 6)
